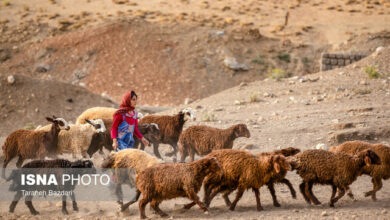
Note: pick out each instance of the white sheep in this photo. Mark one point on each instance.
(99, 112)
(78, 138)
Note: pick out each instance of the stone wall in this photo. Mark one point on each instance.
(334, 60)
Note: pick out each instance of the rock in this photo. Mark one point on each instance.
(42, 68)
(306, 102)
(83, 84)
(335, 121)
(243, 84)
(188, 101)
(248, 147)
(363, 82)
(106, 96)
(4, 55)
(68, 108)
(11, 79)
(218, 109)
(321, 146)
(324, 213)
(260, 119)
(70, 100)
(198, 107)
(232, 63)
(379, 49)
(384, 212)
(36, 110)
(267, 94)
(237, 102)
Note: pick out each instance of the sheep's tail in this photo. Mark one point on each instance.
(109, 162)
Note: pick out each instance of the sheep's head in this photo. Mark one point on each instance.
(188, 114)
(370, 157)
(140, 115)
(98, 124)
(290, 151)
(86, 165)
(240, 130)
(60, 123)
(280, 163)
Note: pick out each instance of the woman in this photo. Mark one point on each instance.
(125, 124)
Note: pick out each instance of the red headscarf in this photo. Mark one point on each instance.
(125, 104)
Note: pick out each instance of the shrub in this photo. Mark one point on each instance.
(277, 73)
(372, 72)
(284, 56)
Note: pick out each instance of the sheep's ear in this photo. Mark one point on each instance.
(367, 160)
(49, 119)
(277, 167)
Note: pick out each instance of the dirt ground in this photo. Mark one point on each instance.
(171, 50)
(302, 112)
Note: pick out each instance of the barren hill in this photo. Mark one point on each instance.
(26, 102)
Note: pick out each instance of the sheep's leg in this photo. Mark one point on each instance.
(207, 190)
(257, 195)
(309, 192)
(239, 194)
(334, 200)
(64, 211)
(135, 199)
(212, 194)
(192, 154)
(155, 150)
(302, 189)
(17, 197)
(292, 190)
(377, 185)
(119, 193)
(183, 155)
(74, 203)
(194, 197)
(6, 161)
(225, 197)
(142, 204)
(30, 206)
(154, 204)
(272, 191)
(142, 147)
(19, 162)
(334, 189)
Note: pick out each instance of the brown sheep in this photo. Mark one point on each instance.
(280, 178)
(28, 144)
(203, 139)
(336, 169)
(377, 172)
(151, 132)
(170, 128)
(128, 161)
(241, 170)
(168, 181)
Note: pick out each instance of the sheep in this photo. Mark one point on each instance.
(336, 169)
(378, 172)
(78, 138)
(29, 144)
(100, 140)
(170, 128)
(151, 132)
(241, 170)
(280, 178)
(47, 167)
(203, 139)
(130, 159)
(168, 181)
(99, 112)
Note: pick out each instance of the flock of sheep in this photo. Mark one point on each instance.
(221, 170)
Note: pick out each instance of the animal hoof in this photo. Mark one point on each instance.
(367, 194)
(65, 212)
(277, 205)
(331, 205)
(164, 215)
(188, 206)
(259, 209)
(35, 213)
